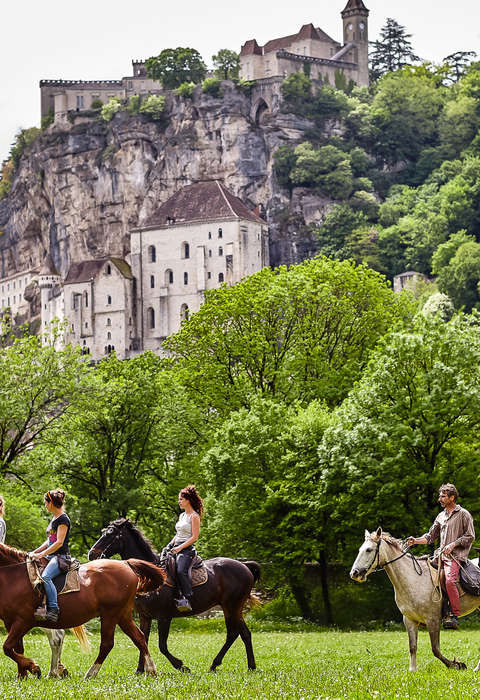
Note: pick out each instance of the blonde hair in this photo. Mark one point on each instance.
(2, 506)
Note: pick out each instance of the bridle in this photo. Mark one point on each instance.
(381, 567)
(117, 536)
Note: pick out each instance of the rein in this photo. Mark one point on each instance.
(380, 567)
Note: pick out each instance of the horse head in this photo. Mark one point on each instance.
(368, 557)
(110, 541)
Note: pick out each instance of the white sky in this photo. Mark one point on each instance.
(96, 39)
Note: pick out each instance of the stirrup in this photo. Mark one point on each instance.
(40, 613)
(183, 605)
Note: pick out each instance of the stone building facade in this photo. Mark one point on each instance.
(63, 96)
(312, 51)
(12, 292)
(200, 238)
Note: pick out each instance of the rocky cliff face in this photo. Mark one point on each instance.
(81, 187)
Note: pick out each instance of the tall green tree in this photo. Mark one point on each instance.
(392, 51)
(226, 64)
(172, 67)
(38, 385)
(458, 63)
(410, 424)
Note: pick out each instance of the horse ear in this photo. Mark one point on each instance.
(367, 534)
(379, 532)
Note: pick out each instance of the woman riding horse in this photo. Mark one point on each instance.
(55, 546)
(3, 528)
(188, 529)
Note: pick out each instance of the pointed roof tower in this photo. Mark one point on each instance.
(354, 7)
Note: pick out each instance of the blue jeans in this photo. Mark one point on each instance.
(49, 573)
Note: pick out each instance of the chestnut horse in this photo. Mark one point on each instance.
(107, 590)
(229, 584)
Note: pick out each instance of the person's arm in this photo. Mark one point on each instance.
(45, 549)
(195, 532)
(429, 537)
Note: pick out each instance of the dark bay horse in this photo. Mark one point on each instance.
(229, 584)
(107, 590)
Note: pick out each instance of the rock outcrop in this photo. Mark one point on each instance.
(81, 187)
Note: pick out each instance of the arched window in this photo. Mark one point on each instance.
(220, 251)
(185, 250)
(152, 281)
(109, 321)
(109, 336)
(220, 233)
(168, 276)
(184, 312)
(209, 235)
(109, 299)
(152, 254)
(151, 317)
(109, 269)
(185, 278)
(220, 276)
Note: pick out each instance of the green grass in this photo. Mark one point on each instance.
(300, 663)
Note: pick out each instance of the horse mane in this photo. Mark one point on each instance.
(387, 537)
(14, 555)
(142, 540)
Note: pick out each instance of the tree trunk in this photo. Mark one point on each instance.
(322, 560)
(302, 601)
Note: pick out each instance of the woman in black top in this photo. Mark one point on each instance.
(58, 534)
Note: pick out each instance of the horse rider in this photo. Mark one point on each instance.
(187, 529)
(454, 527)
(3, 527)
(55, 546)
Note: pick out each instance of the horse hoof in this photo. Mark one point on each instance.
(35, 671)
(184, 669)
(64, 673)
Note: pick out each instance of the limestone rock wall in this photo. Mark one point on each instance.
(81, 187)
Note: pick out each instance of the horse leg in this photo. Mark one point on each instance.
(55, 639)
(412, 630)
(128, 626)
(107, 631)
(233, 631)
(163, 631)
(246, 636)
(434, 632)
(14, 642)
(145, 626)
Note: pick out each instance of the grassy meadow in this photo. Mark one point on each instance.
(294, 661)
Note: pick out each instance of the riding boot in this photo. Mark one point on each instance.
(183, 604)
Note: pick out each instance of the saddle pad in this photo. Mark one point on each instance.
(199, 577)
(64, 583)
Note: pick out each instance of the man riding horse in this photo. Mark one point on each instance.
(454, 527)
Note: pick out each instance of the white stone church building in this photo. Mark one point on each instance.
(200, 238)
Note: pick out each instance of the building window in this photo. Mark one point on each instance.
(109, 336)
(209, 235)
(209, 275)
(152, 254)
(229, 262)
(86, 326)
(220, 251)
(75, 304)
(209, 253)
(220, 233)
(184, 312)
(168, 276)
(85, 297)
(20, 283)
(152, 281)
(185, 278)
(109, 269)
(220, 276)
(14, 285)
(109, 299)
(14, 299)
(185, 250)
(79, 101)
(151, 317)
(109, 321)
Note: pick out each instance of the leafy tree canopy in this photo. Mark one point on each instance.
(392, 51)
(226, 64)
(172, 67)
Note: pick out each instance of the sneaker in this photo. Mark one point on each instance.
(52, 615)
(183, 605)
(450, 622)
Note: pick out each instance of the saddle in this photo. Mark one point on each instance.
(66, 582)
(198, 571)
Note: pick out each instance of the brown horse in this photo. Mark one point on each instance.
(107, 590)
(229, 584)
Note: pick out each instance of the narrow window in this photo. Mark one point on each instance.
(184, 312)
(152, 281)
(109, 321)
(220, 233)
(168, 276)
(85, 295)
(151, 317)
(209, 235)
(109, 336)
(152, 254)
(220, 251)
(220, 276)
(185, 278)
(109, 299)
(185, 251)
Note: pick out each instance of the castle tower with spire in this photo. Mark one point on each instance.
(355, 32)
(52, 298)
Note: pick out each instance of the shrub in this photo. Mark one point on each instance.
(134, 104)
(25, 525)
(185, 89)
(47, 120)
(246, 86)
(96, 104)
(212, 86)
(154, 106)
(110, 109)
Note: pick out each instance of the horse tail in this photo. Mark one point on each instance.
(255, 569)
(81, 635)
(150, 576)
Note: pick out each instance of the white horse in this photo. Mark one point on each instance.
(415, 593)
